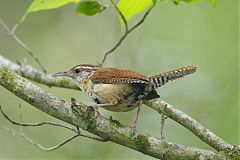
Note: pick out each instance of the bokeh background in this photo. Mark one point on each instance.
(171, 37)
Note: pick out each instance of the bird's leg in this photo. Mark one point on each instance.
(134, 125)
(96, 106)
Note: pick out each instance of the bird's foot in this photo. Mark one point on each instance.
(95, 108)
(133, 129)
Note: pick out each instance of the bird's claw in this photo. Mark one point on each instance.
(95, 108)
(133, 129)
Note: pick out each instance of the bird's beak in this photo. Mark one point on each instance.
(62, 74)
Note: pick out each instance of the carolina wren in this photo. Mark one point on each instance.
(120, 90)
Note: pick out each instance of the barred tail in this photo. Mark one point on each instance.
(161, 79)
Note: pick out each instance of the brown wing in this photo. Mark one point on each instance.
(112, 75)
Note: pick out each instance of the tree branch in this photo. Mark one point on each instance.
(38, 76)
(100, 126)
(201, 132)
(11, 32)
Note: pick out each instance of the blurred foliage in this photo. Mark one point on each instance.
(172, 36)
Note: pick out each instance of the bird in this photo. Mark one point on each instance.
(120, 90)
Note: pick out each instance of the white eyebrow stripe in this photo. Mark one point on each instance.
(85, 67)
(78, 67)
(82, 67)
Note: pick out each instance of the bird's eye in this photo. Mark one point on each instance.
(77, 70)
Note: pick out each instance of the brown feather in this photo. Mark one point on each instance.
(112, 75)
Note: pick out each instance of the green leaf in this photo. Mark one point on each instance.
(89, 8)
(38, 5)
(129, 8)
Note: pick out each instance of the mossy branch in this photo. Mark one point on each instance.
(33, 74)
(83, 116)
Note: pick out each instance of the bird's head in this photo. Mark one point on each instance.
(79, 73)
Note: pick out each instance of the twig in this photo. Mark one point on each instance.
(76, 131)
(143, 18)
(23, 135)
(35, 124)
(123, 36)
(121, 15)
(11, 32)
(37, 144)
(41, 147)
(44, 148)
(163, 118)
(127, 31)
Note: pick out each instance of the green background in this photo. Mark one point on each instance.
(171, 37)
